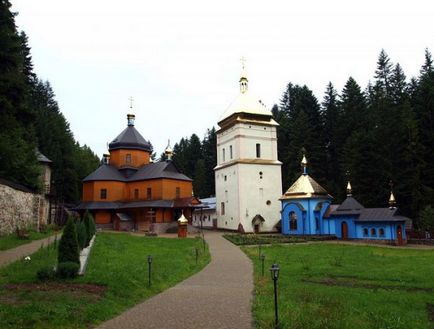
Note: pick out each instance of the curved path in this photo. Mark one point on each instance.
(217, 297)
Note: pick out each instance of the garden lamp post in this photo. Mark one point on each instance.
(149, 269)
(259, 249)
(274, 270)
(262, 260)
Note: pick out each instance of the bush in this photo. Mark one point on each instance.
(81, 234)
(90, 226)
(45, 274)
(67, 270)
(68, 245)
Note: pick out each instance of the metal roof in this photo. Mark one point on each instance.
(130, 138)
(41, 157)
(350, 206)
(380, 214)
(305, 187)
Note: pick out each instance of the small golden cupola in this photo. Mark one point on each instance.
(392, 201)
(168, 151)
(305, 187)
(349, 189)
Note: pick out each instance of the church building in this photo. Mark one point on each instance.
(248, 172)
(129, 192)
(307, 210)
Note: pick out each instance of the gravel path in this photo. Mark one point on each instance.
(217, 297)
(11, 255)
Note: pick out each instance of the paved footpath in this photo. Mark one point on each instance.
(11, 255)
(219, 296)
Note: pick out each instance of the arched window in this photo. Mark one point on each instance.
(373, 232)
(316, 223)
(381, 232)
(365, 232)
(292, 221)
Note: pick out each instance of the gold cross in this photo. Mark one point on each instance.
(131, 102)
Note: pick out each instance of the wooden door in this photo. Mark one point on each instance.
(214, 223)
(256, 228)
(344, 231)
(399, 235)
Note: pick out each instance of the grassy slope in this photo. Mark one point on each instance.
(11, 241)
(362, 287)
(118, 261)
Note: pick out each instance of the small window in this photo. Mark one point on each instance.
(149, 193)
(226, 178)
(230, 151)
(365, 232)
(260, 174)
(136, 193)
(178, 192)
(103, 193)
(373, 232)
(258, 150)
(381, 232)
(292, 221)
(268, 202)
(128, 158)
(224, 155)
(222, 208)
(152, 215)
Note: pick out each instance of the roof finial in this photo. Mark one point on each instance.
(131, 102)
(349, 190)
(168, 151)
(304, 164)
(243, 79)
(392, 200)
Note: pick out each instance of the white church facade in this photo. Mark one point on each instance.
(248, 172)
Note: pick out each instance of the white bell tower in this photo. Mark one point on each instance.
(248, 172)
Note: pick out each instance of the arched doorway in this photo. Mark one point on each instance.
(344, 227)
(399, 235)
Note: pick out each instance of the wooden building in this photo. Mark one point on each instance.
(129, 192)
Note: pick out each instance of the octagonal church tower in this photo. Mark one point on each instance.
(248, 172)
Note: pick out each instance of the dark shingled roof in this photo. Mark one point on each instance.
(105, 172)
(106, 205)
(163, 169)
(130, 138)
(380, 214)
(350, 206)
(42, 158)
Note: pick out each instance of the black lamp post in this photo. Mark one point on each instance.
(197, 254)
(259, 249)
(274, 270)
(262, 260)
(149, 269)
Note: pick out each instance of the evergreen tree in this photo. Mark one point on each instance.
(17, 147)
(68, 245)
(209, 154)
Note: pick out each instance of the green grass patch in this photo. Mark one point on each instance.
(12, 240)
(342, 286)
(257, 239)
(116, 279)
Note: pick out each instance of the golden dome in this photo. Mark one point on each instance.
(182, 220)
(305, 187)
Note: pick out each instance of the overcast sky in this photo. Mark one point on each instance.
(180, 60)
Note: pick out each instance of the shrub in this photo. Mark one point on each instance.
(67, 270)
(81, 234)
(45, 274)
(90, 226)
(68, 245)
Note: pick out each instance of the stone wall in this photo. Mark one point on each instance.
(21, 208)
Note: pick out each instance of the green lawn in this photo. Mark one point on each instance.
(11, 240)
(341, 286)
(116, 279)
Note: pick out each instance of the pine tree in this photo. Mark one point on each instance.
(68, 245)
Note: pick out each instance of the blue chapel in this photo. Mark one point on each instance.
(307, 209)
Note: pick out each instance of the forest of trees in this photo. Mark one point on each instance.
(372, 137)
(30, 119)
